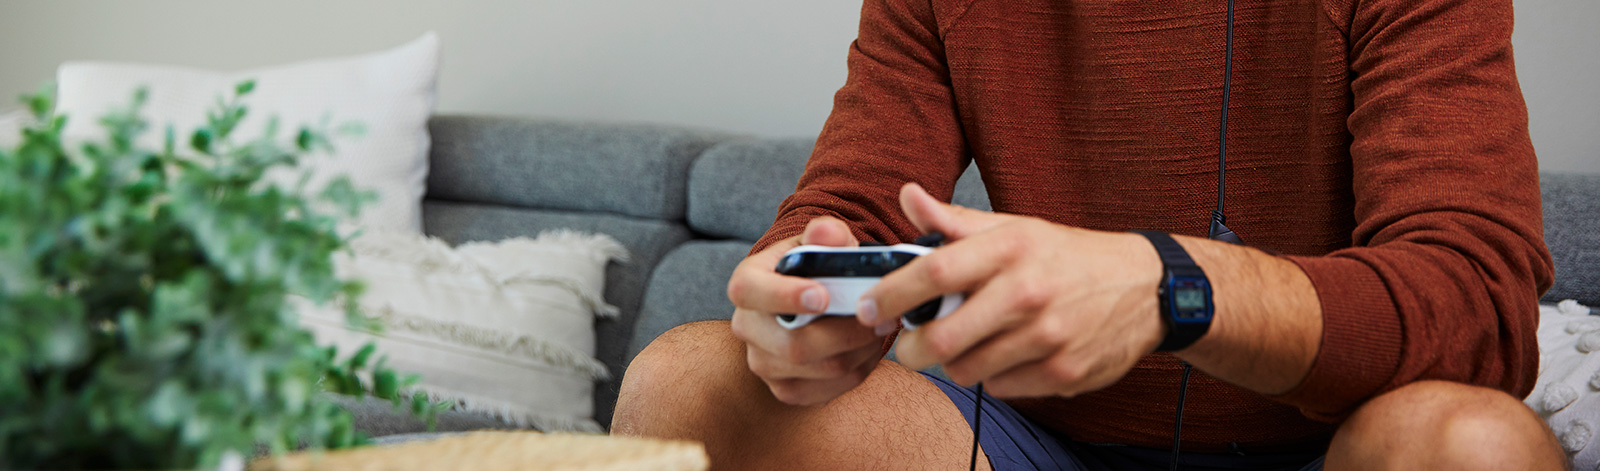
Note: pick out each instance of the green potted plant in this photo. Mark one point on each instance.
(147, 297)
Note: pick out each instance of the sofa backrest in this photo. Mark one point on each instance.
(1572, 232)
(492, 178)
(689, 203)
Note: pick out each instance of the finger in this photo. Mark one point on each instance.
(999, 354)
(1065, 373)
(829, 231)
(1028, 380)
(755, 284)
(806, 392)
(992, 309)
(776, 367)
(956, 268)
(824, 338)
(931, 215)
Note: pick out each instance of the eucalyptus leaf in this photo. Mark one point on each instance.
(145, 319)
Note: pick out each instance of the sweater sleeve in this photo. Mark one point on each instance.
(893, 122)
(1449, 259)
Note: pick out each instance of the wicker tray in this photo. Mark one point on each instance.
(490, 451)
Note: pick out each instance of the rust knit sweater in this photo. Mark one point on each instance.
(1381, 145)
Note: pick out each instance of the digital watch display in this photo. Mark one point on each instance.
(1184, 293)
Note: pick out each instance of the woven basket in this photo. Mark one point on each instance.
(493, 451)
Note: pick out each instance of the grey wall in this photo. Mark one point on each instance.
(760, 66)
(1558, 62)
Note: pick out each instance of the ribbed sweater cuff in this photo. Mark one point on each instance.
(1361, 339)
(781, 229)
(794, 223)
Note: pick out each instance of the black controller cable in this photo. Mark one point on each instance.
(977, 416)
(1177, 428)
(1218, 230)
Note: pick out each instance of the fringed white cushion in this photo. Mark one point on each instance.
(502, 327)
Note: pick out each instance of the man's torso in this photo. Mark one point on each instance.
(1104, 115)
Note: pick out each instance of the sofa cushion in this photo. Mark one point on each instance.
(389, 94)
(736, 186)
(647, 242)
(970, 191)
(377, 418)
(629, 169)
(1572, 232)
(690, 284)
(501, 326)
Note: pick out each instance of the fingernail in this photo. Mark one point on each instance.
(867, 310)
(884, 329)
(812, 300)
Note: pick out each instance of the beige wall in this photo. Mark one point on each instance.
(759, 66)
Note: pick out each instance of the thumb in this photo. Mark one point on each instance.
(931, 215)
(829, 231)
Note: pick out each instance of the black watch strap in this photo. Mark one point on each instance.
(1175, 261)
(1173, 257)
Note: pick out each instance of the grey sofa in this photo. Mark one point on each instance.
(689, 203)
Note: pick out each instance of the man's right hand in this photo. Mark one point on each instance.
(816, 362)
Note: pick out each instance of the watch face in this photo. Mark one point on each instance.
(1190, 299)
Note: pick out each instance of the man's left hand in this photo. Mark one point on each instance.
(1051, 310)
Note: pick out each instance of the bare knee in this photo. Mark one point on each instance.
(685, 346)
(1444, 425)
(674, 376)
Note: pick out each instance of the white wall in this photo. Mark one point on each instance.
(760, 66)
(1558, 62)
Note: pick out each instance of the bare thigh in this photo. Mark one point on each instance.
(693, 383)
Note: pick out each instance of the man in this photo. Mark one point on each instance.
(1383, 312)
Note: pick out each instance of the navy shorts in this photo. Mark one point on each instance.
(1013, 442)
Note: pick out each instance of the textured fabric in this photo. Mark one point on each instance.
(736, 187)
(1569, 376)
(628, 169)
(390, 94)
(378, 418)
(1009, 440)
(1572, 230)
(969, 190)
(1381, 145)
(505, 326)
(1014, 443)
(647, 242)
(690, 284)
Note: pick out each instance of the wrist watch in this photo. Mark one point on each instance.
(1184, 294)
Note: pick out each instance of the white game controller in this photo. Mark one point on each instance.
(848, 272)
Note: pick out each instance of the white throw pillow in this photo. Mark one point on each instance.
(1567, 394)
(391, 93)
(504, 327)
